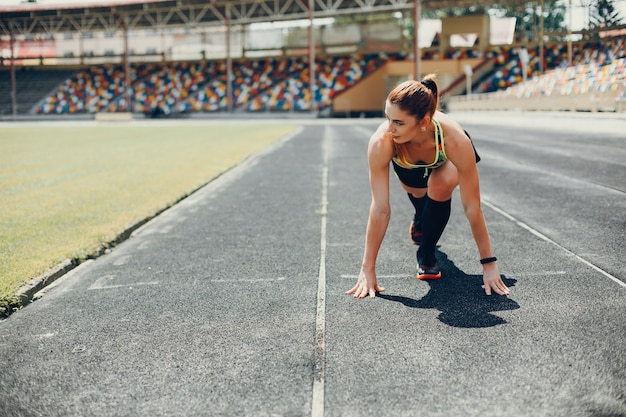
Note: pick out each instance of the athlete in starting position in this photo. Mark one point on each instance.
(431, 154)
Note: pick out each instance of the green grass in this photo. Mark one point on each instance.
(67, 192)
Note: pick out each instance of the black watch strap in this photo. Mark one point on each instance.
(488, 260)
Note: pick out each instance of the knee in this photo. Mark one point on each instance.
(441, 190)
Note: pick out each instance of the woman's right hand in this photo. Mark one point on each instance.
(366, 284)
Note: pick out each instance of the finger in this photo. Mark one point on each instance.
(380, 289)
(372, 293)
(501, 289)
(487, 289)
(352, 290)
(361, 292)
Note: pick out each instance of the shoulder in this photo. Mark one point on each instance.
(380, 149)
(458, 145)
(453, 134)
(380, 144)
(452, 131)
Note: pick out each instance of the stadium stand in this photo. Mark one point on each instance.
(282, 84)
(463, 53)
(595, 82)
(166, 88)
(32, 83)
(509, 70)
(582, 78)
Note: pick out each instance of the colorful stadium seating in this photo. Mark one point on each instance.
(282, 84)
(591, 77)
(508, 71)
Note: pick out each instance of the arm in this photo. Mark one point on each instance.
(379, 156)
(462, 156)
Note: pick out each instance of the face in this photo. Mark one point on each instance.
(401, 125)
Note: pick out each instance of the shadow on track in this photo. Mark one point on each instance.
(460, 298)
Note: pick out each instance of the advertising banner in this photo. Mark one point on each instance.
(29, 48)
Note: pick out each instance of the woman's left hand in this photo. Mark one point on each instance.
(366, 285)
(493, 281)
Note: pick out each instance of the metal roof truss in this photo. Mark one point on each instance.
(159, 14)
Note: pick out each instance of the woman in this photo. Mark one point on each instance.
(415, 134)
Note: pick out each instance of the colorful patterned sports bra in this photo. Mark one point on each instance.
(440, 153)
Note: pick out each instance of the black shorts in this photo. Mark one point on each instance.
(418, 177)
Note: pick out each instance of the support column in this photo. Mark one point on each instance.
(312, 75)
(12, 70)
(81, 47)
(569, 35)
(229, 64)
(127, 94)
(128, 104)
(417, 59)
(541, 34)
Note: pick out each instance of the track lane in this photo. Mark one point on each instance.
(229, 327)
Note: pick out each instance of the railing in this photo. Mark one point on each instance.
(610, 101)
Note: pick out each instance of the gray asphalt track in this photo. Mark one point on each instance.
(232, 303)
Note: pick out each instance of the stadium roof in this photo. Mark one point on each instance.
(102, 15)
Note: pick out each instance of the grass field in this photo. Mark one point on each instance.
(66, 192)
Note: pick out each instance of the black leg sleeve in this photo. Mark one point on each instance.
(434, 220)
(418, 203)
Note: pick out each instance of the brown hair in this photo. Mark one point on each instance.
(417, 98)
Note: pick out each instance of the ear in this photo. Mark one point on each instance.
(425, 122)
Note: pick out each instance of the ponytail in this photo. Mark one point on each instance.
(429, 82)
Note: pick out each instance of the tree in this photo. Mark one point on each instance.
(528, 16)
(603, 15)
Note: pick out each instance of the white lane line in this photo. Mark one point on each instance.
(547, 239)
(144, 245)
(317, 401)
(166, 229)
(122, 260)
(131, 285)
(102, 283)
(535, 169)
(353, 276)
(250, 280)
(539, 273)
(525, 274)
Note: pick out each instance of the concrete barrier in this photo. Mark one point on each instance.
(114, 117)
(607, 101)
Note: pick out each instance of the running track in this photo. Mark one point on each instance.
(231, 303)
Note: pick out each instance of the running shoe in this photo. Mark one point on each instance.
(428, 272)
(415, 232)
